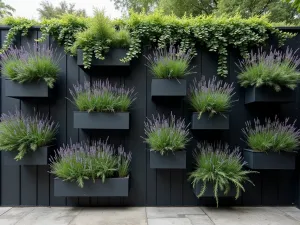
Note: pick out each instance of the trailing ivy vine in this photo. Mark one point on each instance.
(215, 33)
(19, 25)
(63, 30)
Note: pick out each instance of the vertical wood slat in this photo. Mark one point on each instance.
(43, 176)
(58, 113)
(28, 188)
(10, 175)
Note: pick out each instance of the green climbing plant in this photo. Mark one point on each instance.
(96, 35)
(19, 25)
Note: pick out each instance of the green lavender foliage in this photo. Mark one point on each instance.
(90, 160)
(102, 96)
(22, 134)
(220, 166)
(211, 96)
(166, 135)
(272, 135)
(169, 63)
(276, 69)
(35, 64)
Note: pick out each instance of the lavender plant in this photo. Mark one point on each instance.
(169, 63)
(276, 69)
(273, 135)
(218, 165)
(96, 160)
(101, 96)
(166, 135)
(36, 63)
(22, 134)
(212, 96)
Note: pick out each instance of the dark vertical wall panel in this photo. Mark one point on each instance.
(32, 185)
(10, 175)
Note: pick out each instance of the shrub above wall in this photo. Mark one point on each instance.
(215, 33)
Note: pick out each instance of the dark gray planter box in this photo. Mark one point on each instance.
(268, 94)
(216, 122)
(112, 58)
(99, 120)
(176, 160)
(38, 89)
(112, 187)
(210, 191)
(270, 160)
(38, 157)
(168, 87)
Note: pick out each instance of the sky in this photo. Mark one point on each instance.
(27, 8)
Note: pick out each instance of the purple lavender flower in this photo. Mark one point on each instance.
(90, 160)
(166, 134)
(276, 69)
(102, 96)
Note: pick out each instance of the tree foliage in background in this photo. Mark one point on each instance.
(189, 7)
(5, 9)
(48, 11)
(135, 5)
(277, 10)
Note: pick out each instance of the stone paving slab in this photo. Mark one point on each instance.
(12, 216)
(169, 221)
(111, 216)
(49, 216)
(172, 212)
(4, 210)
(249, 216)
(199, 219)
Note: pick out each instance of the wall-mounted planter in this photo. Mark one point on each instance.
(99, 120)
(270, 160)
(210, 191)
(175, 160)
(216, 122)
(268, 94)
(112, 187)
(38, 157)
(168, 87)
(37, 89)
(112, 58)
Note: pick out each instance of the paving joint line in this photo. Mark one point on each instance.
(75, 216)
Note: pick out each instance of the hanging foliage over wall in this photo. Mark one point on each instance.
(215, 33)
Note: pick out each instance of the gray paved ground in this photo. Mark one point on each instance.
(150, 216)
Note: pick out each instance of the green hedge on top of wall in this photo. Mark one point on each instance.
(215, 33)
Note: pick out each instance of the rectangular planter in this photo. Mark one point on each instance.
(270, 160)
(112, 187)
(99, 120)
(38, 157)
(112, 58)
(176, 160)
(38, 89)
(168, 87)
(210, 191)
(268, 94)
(217, 122)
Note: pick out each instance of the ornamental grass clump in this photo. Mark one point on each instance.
(276, 69)
(211, 96)
(35, 64)
(99, 37)
(219, 166)
(166, 135)
(22, 134)
(90, 161)
(272, 135)
(102, 96)
(169, 63)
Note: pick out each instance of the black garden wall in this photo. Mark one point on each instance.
(33, 185)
